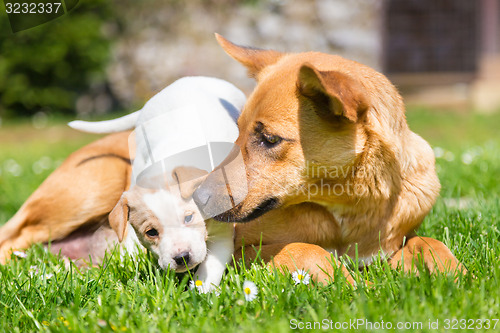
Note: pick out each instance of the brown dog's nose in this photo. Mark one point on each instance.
(212, 197)
(224, 188)
(182, 259)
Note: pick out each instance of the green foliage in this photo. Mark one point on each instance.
(48, 66)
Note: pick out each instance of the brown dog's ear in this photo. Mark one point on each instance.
(188, 178)
(334, 94)
(118, 218)
(252, 58)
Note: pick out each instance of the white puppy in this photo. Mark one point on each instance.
(169, 224)
(184, 131)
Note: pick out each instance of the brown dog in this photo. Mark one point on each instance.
(330, 161)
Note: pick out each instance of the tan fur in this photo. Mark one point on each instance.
(343, 125)
(293, 256)
(118, 218)
(82, 191)
(188, 179)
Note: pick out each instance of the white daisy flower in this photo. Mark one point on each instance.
(301, 276)
(12, 167)
(201, 287)
(20, 254)
(250, 291)
(438, 152)
(34, 270)
(198, 285)
(467, 158)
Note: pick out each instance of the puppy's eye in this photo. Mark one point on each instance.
(153, 233)
(188, 217)
(270, 141)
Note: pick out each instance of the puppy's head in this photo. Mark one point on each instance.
(306, 111)
(167, 222)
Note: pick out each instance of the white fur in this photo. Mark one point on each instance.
(220, 250)
(208, 108)
(108, 126)
(177, 237)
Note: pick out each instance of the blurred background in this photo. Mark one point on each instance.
(113, 55)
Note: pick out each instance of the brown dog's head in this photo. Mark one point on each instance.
(305, 118)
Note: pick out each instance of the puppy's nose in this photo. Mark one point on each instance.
(182, 258)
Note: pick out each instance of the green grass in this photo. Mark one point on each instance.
(133, 295)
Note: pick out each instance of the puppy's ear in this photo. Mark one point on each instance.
(335, 95)
(118, 217)
(252, 58)
(188, 178)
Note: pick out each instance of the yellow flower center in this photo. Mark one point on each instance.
(198, 283)
(300, 277)
(247, 291)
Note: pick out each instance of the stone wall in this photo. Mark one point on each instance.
(160, 43)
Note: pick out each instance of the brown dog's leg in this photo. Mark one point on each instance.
(434, 254)
(29, 235)
(312, 258)
(80, 192)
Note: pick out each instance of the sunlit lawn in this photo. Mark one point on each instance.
(39, 293)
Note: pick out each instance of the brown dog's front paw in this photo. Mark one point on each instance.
(312, 258)
(318, 262)
(435, 256)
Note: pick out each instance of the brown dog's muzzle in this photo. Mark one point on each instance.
(224, 189)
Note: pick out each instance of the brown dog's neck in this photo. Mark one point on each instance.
(377, 193)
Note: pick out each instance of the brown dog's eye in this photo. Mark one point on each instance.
(270, 141)
(152, 233)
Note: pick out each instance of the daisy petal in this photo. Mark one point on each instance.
(250, 291)
(20, 254)
(301, 276)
